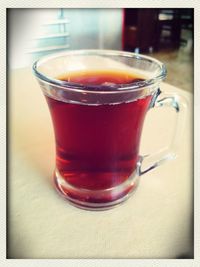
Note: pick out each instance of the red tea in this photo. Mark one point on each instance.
(97, 145)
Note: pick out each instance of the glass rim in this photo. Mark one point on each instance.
(100, 88)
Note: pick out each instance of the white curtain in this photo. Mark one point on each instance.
(33, 33)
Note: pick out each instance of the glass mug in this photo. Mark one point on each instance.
(98, 125)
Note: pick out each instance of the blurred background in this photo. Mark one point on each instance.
(166, 34)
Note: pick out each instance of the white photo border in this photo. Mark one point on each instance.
(3, 132)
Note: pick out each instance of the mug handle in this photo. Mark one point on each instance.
(178, 103)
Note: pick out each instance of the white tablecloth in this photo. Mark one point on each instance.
(156, 222)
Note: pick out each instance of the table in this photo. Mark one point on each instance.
(156, 222)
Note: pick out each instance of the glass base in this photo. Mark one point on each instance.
(96, 199)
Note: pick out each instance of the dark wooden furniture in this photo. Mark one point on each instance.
(148, 29)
